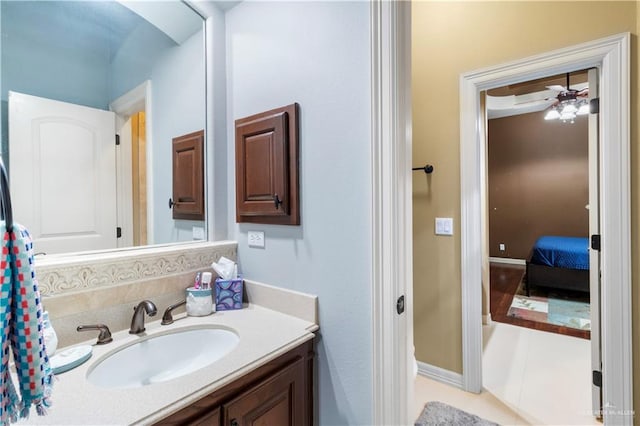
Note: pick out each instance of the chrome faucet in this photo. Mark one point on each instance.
(137, 322)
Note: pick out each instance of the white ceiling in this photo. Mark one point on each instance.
(173, 18)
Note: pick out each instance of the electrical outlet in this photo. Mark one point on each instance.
(502, 248)
(444, 226)
(256, 239)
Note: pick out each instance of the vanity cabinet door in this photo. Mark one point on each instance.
(209, 419)
(278, 400)
(278, 393)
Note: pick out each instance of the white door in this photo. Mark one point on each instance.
(594, 255)
(62, 165)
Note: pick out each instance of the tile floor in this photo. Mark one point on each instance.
(530, 377)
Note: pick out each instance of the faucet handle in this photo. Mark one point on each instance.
(105, 335)
(167, 318)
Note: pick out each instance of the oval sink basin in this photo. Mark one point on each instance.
(161, 358)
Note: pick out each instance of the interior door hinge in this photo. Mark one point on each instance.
(117, 139)
(595, 242)
(594, 106)
(400, 305)
(118, 232)
(597, 378)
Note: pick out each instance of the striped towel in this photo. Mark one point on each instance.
(21, 319)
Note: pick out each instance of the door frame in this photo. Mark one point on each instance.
(611, 55)
(135, 100)
(391, 212)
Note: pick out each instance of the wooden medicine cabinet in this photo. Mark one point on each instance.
(188, 177)
(267, 167)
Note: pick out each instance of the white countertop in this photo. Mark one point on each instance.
(264, 335)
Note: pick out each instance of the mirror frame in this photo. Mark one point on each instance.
(66, 273)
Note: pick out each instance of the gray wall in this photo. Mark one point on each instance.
(178, 105)
(316, 54)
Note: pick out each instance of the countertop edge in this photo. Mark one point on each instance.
(218, 384)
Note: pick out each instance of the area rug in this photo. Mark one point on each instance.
(439, 414)
(552, 308)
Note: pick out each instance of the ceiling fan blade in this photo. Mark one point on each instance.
(557, 88)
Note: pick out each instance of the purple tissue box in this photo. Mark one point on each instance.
(228, 294)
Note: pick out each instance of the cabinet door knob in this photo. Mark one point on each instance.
(234, 422)
(172, 203)
(277, 201)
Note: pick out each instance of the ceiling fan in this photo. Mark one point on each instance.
(578, 91)
(532, 96)
(569, 102)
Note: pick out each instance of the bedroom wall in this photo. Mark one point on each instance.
(538, 181)
(450, 38)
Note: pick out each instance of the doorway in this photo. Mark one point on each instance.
(538, 214)
(540, 208)
(134, 165)
(610, 56)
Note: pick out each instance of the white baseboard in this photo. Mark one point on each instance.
(440, 374)
(507, 260)
(486, 319)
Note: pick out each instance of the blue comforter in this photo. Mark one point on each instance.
(562, 252)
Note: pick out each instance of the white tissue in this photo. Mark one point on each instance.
(225, 268)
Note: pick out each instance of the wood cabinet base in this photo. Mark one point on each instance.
(277, 393)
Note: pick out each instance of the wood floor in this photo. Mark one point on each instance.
(504, 283)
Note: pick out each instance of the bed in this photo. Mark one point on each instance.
(560, 263)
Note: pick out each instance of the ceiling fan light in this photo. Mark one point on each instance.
(552, 114)
(566, 116)
(569, 108)
(584, 109)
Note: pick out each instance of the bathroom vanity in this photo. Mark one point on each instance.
(277, 393)
(267, 376)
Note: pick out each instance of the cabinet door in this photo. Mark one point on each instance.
(262, 149)
(279, 400)
(267, 167)
(210, 419)
(188, 177)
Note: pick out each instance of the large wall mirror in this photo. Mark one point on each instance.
(75, 74)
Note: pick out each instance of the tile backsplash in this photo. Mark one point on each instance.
(104, 288)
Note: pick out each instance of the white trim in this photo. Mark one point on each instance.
(135, 100)
(210, 130)
(392, 269)
(124, 182)
(486, 319)
(507, 260)
(440, 374)
(132, 101)
(611, 54)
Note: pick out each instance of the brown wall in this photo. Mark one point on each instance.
(450, 38)
(538, 181)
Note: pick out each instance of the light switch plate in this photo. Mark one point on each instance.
(197, 232)
(256, 239)
(444, 226)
